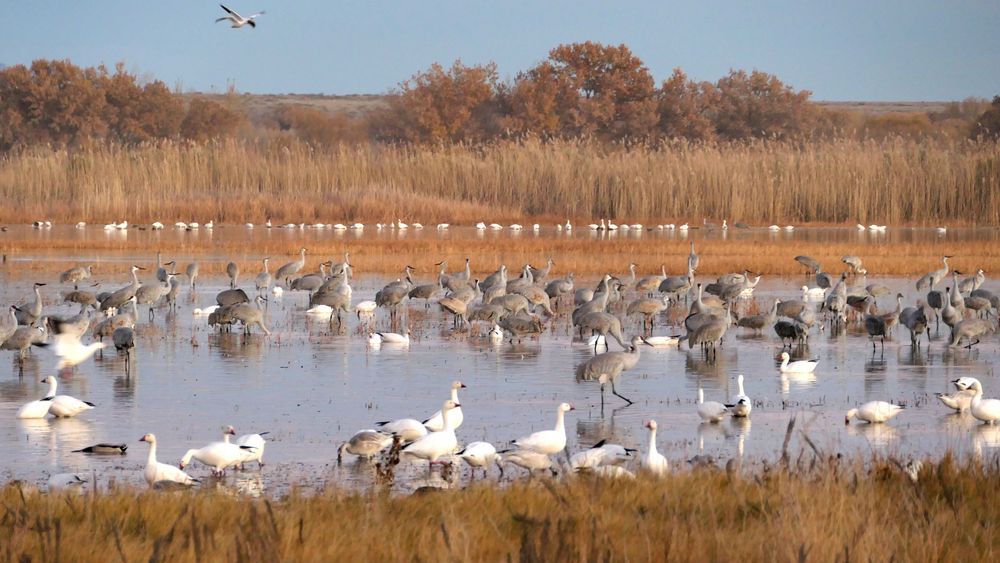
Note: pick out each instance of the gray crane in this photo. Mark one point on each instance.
(972, 283)
(915, 320)
(391, 296)
(855, 265)
(539, 274)
(192, 274)
(759, 322)
(123, 338)
(649, 284)
(931, 279)
(599, 322)
(231, 297)
(80, 273)
(498, 277)
(609, 366)
(678, 285)
(290, 269)
(233, 271)
(693, 259)
(250, 314)
(812, 265)
(970, 329)
(263, 280)
(23, 338)
(648, 308)
(519, 326)
(161, 272)
(31, 312)
(120, 297)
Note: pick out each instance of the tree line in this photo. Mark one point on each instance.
(580, 91)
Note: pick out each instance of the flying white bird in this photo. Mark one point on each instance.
(238, 20)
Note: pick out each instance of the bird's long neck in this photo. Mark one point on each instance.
(740, 383)
(135, 279)
(187, 457)
(446, 421)
(151, 460)
(652, 441)
(266, 271)
(454, 395)
(560, 423)
(52, 387)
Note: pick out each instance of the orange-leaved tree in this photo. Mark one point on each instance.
(758, 105)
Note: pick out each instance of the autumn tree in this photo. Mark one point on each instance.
(758, 105)
(439, 104)
(588, 89)
(136, 113)
(62, 104)
(320, 128)
(684, 108)
(206, 120)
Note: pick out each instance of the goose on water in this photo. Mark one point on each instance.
(548, 441)
(653, 461)
(873, 411)
(61, 406)
(217, 455)
(798, 366)
(252, 445)
(103, 449)
(742, 405)
(710, 411)
(365, 443)
(156, 472)
(480, 455)
(435, 423)
(986, 410)
(435, 444)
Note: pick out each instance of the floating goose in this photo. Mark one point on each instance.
(64, 482)
(103, 449)
(156, 472)
(496, 334)
(798, 366)
(217, 455)
(548, 441)
(365, 443)
(986, 410)
(63, 406)
(710, 411)
(238, 20)
(480, 455)
(408, 429)
(40, 407)
(320, 311)
(960, 400)
(742, 405)
(434, 423)
(663, 341)
(435, 444)
(653, 461)
(255, 443)
(873, 411)
(391, 338)
(601, 454)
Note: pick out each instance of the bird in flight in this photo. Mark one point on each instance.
(238, 20)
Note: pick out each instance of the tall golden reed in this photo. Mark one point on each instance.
(849, 181)
(838, 511)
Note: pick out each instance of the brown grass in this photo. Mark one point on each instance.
(836, 512)
(371, 254)
(893, 182)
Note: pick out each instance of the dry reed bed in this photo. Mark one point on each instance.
(892, 182)
(836, 512)
(581, 256)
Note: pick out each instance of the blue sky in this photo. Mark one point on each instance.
(843, 50)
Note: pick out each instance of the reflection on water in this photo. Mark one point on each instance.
(312, 384)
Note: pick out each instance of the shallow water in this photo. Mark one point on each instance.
(312, 385)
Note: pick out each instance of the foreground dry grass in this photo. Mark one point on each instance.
(893, 182)
(583, 257)
(835, 512)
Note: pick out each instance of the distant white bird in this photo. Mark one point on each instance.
(813, 294)
(392, 338)
(653, 461)
(710, 411)
(277, 292)
(81, 224)
(156, 226)
(663, 341)
(873, 411)
(800, 366)
(156, 472)
(238, 20)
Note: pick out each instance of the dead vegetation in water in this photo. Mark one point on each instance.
(845, 181)
(834, 511)
(580, 255)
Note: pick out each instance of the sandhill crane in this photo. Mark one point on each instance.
(692, 257)
(875, 327)
(161, 272)
(310, 282)
(854, 263)
(263, 280)
(648, 308)
(454, 306)
(80, 273)
(812, 265)
(609, 366)
(539, 274)
(513, 303)
(649, 284)
(711, 331)
(759, 322)
(791, 331)
(836, 301)
(931, 279)
(250, 315)
(498, 277)
(677, 285)
(915, 320)
(33, 311)
(599, 322)
(427, 292)
(973, 282)
(151, 294)
(290, 269)
(392, 295)
(629, 281)
(123, 338)
(949, 314)
(970, 329)
(192, 274)
(537, 298)
(519, 326)
(525, 280)
(237, 20)
(233, 271)
(122, 296)
(231, 297)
